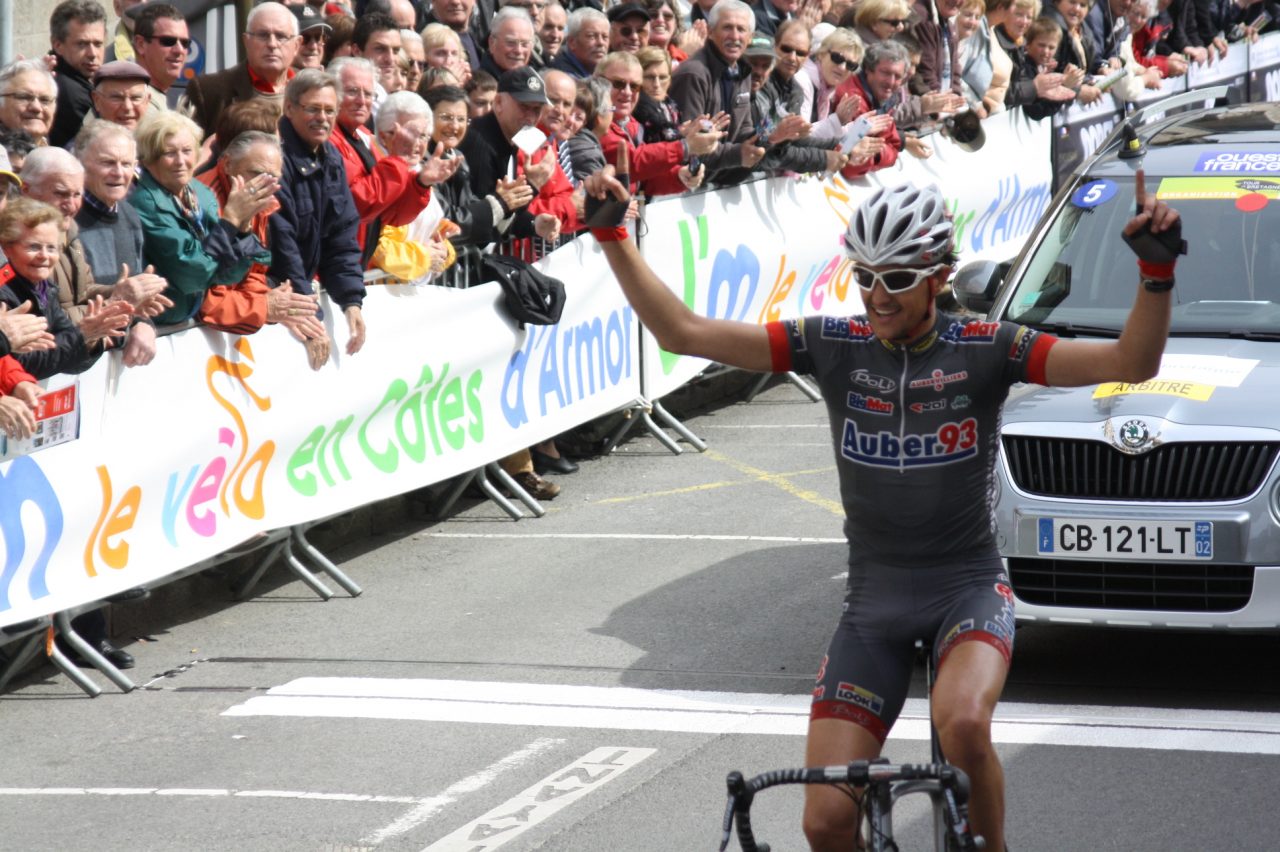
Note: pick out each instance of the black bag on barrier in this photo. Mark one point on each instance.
(530, 296)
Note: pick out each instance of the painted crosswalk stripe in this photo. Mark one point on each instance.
(630, 709)
(542, 801)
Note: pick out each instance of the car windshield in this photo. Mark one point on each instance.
(1082, 276)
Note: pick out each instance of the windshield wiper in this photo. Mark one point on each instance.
(1230, 333)
(1071, 329)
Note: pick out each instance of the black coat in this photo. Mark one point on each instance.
(470, 212)
(69, 354)
(488, 155)
(75, 98)
(313, 234)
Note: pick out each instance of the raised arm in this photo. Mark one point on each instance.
(1154, 234)
(677, 328)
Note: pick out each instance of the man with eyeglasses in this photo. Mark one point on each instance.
(628, 27)
(510, 42)
(313, 32)
(270, 44)
(161, 44)
(28, 98)
(314, 233)
(536, 10)
(121, 94)
(914, 398)
(78, 35)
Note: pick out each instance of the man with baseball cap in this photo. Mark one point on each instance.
(120, 93)
(628, 27)
(314, 31)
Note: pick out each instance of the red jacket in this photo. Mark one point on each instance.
(887, 157)
(653, 164)
(12, 374)
(556, 195)
(390, 192)
(1144, 46)
(239, 308)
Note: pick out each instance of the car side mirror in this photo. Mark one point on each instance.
(976, 283)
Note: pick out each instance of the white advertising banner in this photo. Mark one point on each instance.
(222, 437)
(770, 249)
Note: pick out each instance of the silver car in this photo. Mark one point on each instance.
(1158, 504)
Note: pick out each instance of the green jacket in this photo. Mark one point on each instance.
(190, 261)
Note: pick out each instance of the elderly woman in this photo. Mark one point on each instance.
(836, 59)
(189, 241)
(28, 97)
(776, 105)
(244, 307)
(480, 220)
(417, 250)
(877, 20)
(31, 239)
(656, 110)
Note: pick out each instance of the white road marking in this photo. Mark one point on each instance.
(206, 793)
(427, 808)
(629, 709)
(642, 537)
(542, 801)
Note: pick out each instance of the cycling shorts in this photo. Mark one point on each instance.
(867, 670)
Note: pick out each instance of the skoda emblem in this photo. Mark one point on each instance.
(1134, 436)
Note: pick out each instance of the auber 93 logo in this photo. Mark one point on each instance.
(951, 442)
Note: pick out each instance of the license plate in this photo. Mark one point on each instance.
(1098, 538)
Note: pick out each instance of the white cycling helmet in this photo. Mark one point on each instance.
(900, 226)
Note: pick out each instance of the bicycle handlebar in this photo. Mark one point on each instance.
(859, 773)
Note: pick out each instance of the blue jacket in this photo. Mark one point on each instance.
(313, 234)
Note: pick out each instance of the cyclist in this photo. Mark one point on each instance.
(914, 398)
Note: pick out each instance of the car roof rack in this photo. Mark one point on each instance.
(1133, 119)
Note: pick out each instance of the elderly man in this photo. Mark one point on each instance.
(628, 27)
(586, 41)
(510, 42)
(314, 234)
(28, 97)
(884, 70)
(120, 93)
(161, 44)
(377, 39)
(55, 177)
(313, 32)
(270, 42)
(110, 230)
(387, 190)
(551, 33)
(717, 79)
(78, 34)
(245, 307)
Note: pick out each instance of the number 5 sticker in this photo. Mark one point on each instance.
(1093, 193)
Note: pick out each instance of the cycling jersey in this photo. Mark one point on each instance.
(915, 427)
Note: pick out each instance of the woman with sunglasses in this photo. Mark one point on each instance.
(835, 60)
(666, 30)
(776, 106)
(877, 20)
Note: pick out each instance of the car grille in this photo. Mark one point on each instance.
(1175, 587)
(1184, 471)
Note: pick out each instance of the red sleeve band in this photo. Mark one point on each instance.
(609, 235)
(779, 347)
(1038, 357)
(1160, 271)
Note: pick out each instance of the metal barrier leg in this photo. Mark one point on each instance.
(241, 590)
(69, 669)
(505, 479)
(25, 653)
(758, 386)
(624, 428)
(303, 573)
(805, 388)
(639, 416)
(454, 492)
(62, 621)
(323, 562)
(679, 428)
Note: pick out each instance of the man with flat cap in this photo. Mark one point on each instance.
(121, 94)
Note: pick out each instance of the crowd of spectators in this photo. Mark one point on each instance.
(396, 137)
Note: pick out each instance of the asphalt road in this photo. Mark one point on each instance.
(584, 681)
